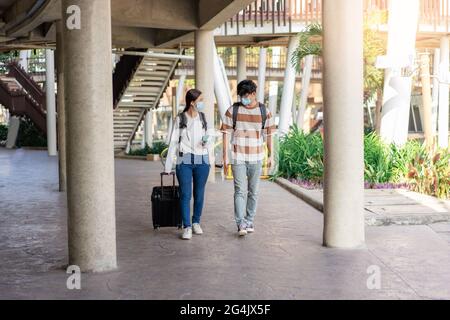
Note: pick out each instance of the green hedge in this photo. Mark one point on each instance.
(30, 136)
(157, 148)
(301, 157)
(3, 132)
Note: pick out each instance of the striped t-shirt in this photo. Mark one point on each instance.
(247, 141)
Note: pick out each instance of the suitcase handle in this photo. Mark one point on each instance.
(162, 182)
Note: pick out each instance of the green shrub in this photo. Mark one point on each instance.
(157, 148)
(30, 136)
(430, 174)
(3, 132)
(301, 156)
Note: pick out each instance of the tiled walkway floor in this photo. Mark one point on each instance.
(284, 259)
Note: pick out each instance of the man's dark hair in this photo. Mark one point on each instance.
(246, 87)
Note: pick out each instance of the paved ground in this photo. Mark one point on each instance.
(283, 260)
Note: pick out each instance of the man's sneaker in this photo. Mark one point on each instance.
(187, 234)
(197, 228)
(250, 228)
(242, 230)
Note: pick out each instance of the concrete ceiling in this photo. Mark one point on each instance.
(135, 23)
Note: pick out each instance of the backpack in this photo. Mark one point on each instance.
(262, 107)
(183, 124)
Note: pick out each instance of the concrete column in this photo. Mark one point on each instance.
(262, 68)
(435, 92)
(306, 80)
(50, 102)
(241, 64)
(204, 80)
(288, 88)
(90, 147)
(61, 108)
(444, 94)
(403, 21)
(13, 132)
(148, 128)
(273, 90)
(343, 119)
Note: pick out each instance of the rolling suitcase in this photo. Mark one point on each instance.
(166, 205)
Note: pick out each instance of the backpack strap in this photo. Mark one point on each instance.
(236, 107)
(263, 109)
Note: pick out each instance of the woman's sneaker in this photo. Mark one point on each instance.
(197, 229)
(187, 234)
(242, 230)
(251, 228)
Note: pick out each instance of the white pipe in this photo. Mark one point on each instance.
(221, 87)
(51, 103)
(180, 90)
(288, 89)
(306, 80)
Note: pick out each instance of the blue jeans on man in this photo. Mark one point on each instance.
(246, 187)
(192, 170)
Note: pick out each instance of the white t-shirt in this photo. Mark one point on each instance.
(191, 140)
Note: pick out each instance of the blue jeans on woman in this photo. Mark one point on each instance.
(192, 170)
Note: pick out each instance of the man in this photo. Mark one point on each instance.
(249, 123)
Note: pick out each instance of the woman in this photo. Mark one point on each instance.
(189, 144)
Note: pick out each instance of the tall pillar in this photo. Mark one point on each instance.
(273, 90)
(241, 64)
(444, 94)
(204, 80)
(61, 108)
(50, 102)
(343, 122)
(288, 88)
(306, 80)
(262, 68)
(90, 147)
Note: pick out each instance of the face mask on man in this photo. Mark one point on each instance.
(246, 101)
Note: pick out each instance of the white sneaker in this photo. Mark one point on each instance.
(197, 228)
(250, 228)
(187, 234)
(242, 230)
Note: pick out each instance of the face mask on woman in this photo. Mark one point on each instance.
(200, 106)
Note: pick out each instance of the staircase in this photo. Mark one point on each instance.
(23, 97)
(148, 80)
(138, 85)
